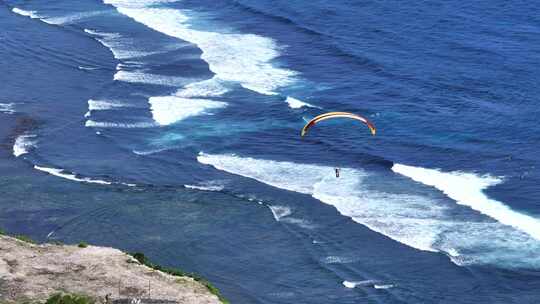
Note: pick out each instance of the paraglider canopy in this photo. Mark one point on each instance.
(330, 115)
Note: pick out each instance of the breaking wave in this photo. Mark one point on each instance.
(242, 58)
(297, 104)
(467, 189)
(419, 221)
(170, 109)
(192, 100)
(121, 47)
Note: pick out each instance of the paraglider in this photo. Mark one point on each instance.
(331, 115)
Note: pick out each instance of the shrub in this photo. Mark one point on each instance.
(82, 245)
(24, 238)
(177, 272)
(60, 298)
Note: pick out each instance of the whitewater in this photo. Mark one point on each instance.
(246, 59)
(421, 222)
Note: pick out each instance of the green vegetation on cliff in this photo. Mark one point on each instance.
(177, 272)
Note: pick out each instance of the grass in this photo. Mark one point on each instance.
(177, 272)
(19, 237)
(60, 298)
(24, 238)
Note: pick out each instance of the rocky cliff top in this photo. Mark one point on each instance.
(30, 272)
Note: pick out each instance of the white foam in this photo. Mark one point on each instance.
(214, 186)
(70, 176)
(344, 193)
(297, 104)
(242, 58)
(467, 189)
(212, 87)
(100, 105)
(72, 18)
(383, 286)
(283, 214)
(170, 109)
(353, 284)
(103, 124)
(23, 144)
(339, 260)
(121, 47)
(280, 212)
(150, 152)
(139, 3)
(147, 78)
(98, 33)
(167, 110)
(88, 68)
(31, 14)
(303, 223)
(7, 108)
(420, 221)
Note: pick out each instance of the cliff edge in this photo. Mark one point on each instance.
(32, 273)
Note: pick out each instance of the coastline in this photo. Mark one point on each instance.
(34, 272)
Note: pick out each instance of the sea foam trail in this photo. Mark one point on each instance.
(100, 105)
(61, 173)
(242, 58)
(280, 212)
(23, 144)
(422, 222)
(103, 124)
(73, 18)
(147, 78)
(467, 189)
(283, 214)
(31, 14)
(213, 186)
(121, 47)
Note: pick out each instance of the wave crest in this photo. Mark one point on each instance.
(420, 221)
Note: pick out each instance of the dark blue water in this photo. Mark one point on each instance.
(172, 128)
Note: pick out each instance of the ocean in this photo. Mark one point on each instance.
(173, 128)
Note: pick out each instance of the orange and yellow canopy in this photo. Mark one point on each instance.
(331, 115)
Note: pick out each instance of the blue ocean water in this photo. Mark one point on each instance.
(172, 128)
